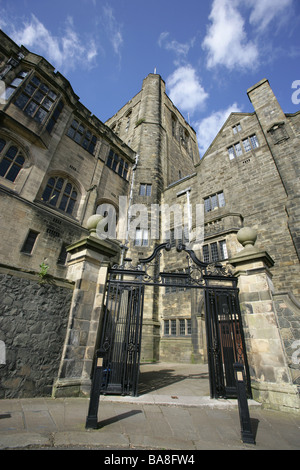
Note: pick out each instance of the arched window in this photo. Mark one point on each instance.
(60, 193)
(11, 160)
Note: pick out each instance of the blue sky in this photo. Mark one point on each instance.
(209, 52)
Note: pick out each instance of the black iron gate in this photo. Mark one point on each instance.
(225, 340)
(121, 338)
(120, 343)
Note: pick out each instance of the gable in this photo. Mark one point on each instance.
(226, 130)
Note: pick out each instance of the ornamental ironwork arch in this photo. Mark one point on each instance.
(195, 274)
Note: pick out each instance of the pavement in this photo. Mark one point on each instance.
(172, 413)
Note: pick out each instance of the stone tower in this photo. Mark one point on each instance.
(167, 151)
(165, 143)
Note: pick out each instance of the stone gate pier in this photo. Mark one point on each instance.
(89, 261)
(272, 380)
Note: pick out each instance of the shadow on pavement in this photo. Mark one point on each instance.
(153, 378)
(114, 419)
(150, 381)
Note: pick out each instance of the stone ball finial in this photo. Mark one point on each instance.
(92, 223)
(247, 237)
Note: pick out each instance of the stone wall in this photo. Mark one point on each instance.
(288, 317)
(17, 217)
(33, 322)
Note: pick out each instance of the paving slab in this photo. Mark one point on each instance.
(24, 440)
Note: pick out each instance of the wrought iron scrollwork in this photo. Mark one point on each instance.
(218, 269)
(106, 344)
(193, 274)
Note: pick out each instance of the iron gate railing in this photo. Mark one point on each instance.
(121, 338)
(120, 344)
(225, 341)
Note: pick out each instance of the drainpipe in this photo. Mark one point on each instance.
(126, 242)
(189, 213)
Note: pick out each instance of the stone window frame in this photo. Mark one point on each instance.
(141, 237)
(238, 149)
(55, 116)
(145, 189)
(215, 251)
(82, 135)
(30, 242)
(166, 327)
(172, 327)
(181, 134)
(19, 81)
(37, 99)
(253, 139)
(63, 254)
(178, 287)
(182, 235)
(182, 327)
(117, 164)
(246, 145)
(14, 84)
(184, 136)
(237, 128)
(128, 117)
(63, 193)
(214, 201)
(174, 125)
(15, 162)
(107, 208)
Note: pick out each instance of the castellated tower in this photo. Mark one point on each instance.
(167, 151)
(165, 143)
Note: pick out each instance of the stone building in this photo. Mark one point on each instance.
(59, 165)
(53, 163)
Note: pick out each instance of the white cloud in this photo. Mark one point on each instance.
(226, 40)
(180, 49)
(113, 29)
(3, 23)
(66, 52)
(208, 128)
(185, 89)
(265, 11)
